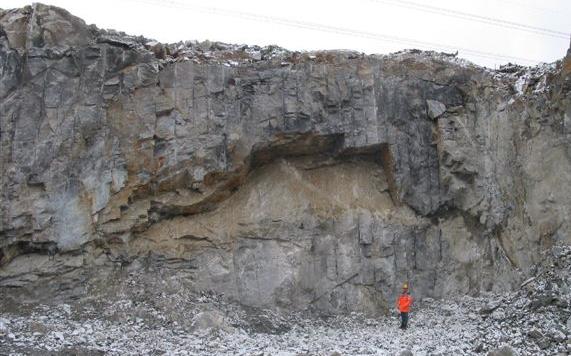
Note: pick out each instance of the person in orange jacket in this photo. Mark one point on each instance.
(404, 303)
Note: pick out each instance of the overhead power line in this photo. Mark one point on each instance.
(533, 7)
(475, 18)
(336, 30)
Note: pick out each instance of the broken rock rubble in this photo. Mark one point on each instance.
(141, 319)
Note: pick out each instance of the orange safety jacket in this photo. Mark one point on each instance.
(404, 302)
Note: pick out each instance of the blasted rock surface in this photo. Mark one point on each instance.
(281, 179)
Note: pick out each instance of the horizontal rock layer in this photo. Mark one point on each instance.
(281, 179)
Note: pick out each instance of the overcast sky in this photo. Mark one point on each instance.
(285, 23)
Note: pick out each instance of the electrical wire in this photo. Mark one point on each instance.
(476, 18)
(336, 30)
(532, 7)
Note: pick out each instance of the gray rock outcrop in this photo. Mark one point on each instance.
(281, 179)
(502, 351)
(3, 327)
(207, 321)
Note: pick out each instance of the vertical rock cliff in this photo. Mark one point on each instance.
(281, 179)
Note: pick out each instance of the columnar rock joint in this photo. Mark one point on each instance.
(281, 179)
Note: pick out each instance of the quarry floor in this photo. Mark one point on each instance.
(134, 319)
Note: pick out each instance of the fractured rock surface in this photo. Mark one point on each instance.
(281, 179)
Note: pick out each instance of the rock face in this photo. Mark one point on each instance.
(281, 179)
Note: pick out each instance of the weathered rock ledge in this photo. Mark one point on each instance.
(281, 179)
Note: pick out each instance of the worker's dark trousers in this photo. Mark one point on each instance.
(403, 320)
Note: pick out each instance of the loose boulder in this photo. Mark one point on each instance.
(435, 109)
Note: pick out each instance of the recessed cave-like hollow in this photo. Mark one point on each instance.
(311, 225)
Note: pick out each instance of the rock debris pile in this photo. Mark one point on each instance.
(536, 318)
(133, 317)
